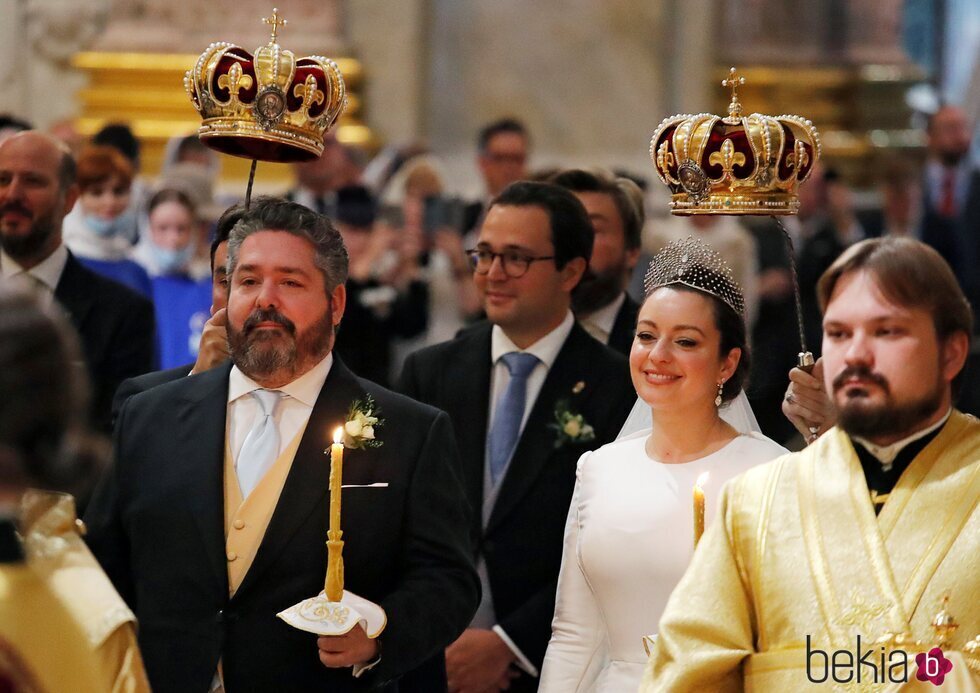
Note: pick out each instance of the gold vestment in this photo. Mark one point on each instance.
(798, 562)
(58, 555)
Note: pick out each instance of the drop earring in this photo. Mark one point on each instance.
(721, 383)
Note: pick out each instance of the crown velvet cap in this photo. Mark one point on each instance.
(734, 165)
(270, 106)
(694, 263)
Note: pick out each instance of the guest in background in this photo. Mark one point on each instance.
(502, 153)
(97, 231)
(11, 125)
(386, 296)
(181, 284)
(120, 137)
(37, 190)
(318, 180)
(951, 201)
(615, 207)
(900, 213)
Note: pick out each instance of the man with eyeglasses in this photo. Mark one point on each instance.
(528, 391)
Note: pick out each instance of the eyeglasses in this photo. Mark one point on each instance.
(513, 263)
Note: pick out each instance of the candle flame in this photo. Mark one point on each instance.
(702, 480)
(338, 435)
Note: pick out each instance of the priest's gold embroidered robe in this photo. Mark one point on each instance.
(798, 560)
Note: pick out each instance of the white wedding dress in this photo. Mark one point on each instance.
(628, 539)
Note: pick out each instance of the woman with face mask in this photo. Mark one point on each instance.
(181, 281)
(98, 229)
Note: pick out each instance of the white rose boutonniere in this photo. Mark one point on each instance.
(571, 426)
(362, 418)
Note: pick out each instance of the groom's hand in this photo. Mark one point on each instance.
(478, 661)
(354, 647)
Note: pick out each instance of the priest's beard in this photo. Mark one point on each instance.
(28, 246)
(260, 354)
(859, 417)
(597, 290)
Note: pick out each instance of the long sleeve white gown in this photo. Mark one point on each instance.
(628, 539)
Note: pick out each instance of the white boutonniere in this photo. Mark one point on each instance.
(571, 426)
(363, 418)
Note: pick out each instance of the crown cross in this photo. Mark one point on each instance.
(734, 81)
(276, 21)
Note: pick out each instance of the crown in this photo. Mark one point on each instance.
(271, 106)
(694, 263)
(735, 165)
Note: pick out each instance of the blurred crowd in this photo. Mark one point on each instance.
(407, 232)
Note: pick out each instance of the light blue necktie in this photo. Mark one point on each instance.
(261, 445)
(509, 412)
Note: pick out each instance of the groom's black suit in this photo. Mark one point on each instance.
(522, 539)
(157, 526)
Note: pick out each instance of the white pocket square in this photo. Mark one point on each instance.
(379, 484)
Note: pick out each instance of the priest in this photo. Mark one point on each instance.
(851, 562)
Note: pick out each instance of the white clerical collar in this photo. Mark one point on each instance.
(546, 348)
(48, 271)
(304, 389)
(605, 317)
(886, 454)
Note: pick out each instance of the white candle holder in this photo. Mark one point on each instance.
(321, 616)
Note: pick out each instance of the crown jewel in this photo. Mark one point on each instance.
(694, 263)
(734, 165)
(271, 105)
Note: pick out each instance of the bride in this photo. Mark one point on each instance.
(630, 529)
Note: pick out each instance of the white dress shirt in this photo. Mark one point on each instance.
(41, 279)
(291, 415)
(600, 323)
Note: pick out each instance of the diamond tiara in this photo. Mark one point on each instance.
(694, 263)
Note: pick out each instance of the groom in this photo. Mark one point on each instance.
(214, 517)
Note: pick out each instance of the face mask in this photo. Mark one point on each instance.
(104, 228)
(170, 261)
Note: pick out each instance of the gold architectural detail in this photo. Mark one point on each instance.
(140, 89)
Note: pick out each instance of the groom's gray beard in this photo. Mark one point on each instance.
(254, 356)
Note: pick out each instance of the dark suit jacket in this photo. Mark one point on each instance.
(522, 541)
(958, 239)
(141, 383)
(624, 328)
(156, 524)
(117, 331)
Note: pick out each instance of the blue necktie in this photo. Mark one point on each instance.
(509, 412)
(261, 446)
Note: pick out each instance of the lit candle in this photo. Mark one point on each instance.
(699, 507)
(334, 584)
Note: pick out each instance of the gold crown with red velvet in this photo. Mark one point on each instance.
(734, 165)
(270, 106)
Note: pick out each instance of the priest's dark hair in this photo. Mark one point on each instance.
(500, 127)
(909, 273)
(571, 229)
(276, 214)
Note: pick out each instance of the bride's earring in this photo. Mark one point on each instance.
(721, 384)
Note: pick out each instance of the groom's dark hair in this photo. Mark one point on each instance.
(276, 214)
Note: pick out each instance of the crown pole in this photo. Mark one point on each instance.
(251, 180)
